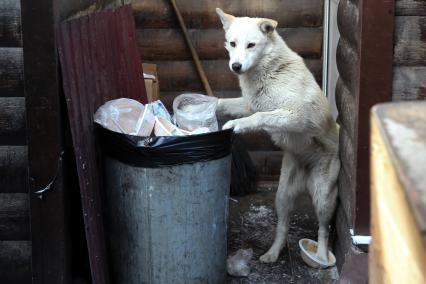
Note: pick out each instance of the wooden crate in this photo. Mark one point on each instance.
(398, 194)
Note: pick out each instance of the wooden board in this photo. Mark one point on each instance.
(12, 121)
(11, 70)
(13, 169)
(182, 76)
(100, 62)
(410, 40)
(201, 14)
(410, 8)
(398, 189)
(15, 262)
(169, 44)
(409, 83)
(14, 216)
(10, 23)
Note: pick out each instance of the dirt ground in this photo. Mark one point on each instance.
(252, 225)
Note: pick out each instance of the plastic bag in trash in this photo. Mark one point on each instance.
(238, 264)
(194, 111)
(159, 110)
(126, 116)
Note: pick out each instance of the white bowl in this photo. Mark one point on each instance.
(308, 249)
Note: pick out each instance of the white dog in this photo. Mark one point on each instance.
(280, 96)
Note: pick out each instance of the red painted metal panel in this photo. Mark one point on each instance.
(100, 61)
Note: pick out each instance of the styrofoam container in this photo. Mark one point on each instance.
(308, 250)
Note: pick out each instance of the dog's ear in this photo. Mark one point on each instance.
(226, 19)
(267, 26)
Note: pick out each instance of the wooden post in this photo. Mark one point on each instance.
(50, 263)
(375, 86)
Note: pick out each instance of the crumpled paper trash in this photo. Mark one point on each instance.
(238, 264)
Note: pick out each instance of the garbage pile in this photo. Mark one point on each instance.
(193, 114)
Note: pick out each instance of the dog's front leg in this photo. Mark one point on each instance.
(235, 107)
(245, 124)
(277, 120)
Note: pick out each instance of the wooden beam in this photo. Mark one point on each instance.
(409, 83)
(410, 8)
(13, 169)
(15, 262)
(169, 44)
(14, 217)
(182, 76)
(12, 121)
(201, 14)
(375, 86)
(10, 23)
(50, 263)
(11, 70)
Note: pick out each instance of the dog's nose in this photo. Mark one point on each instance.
(236, 67)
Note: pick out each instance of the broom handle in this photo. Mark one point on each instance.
(194, 54)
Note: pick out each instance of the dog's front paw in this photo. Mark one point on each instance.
(269, 257)
(235, 124)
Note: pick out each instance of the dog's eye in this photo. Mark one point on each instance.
(232, 43)
(250, 45)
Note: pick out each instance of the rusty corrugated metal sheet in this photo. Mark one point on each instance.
(100, 61)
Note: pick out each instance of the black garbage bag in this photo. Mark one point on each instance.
(163, 151)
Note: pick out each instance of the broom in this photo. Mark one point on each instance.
(243, 171)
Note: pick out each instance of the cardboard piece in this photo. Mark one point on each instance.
(151, 81)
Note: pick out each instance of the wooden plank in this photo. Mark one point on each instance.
(49, 255)
(100, 62)
(15, 262)
(182, 76)
(169, 44)
(409, 83)
(395, 223)
(10, 23)
(410, 8)
(375, 86)
(11, 72)
(403, 129)
(410, 40)
(12, 121)
(201, 14)
(13, 169)
(14, 216)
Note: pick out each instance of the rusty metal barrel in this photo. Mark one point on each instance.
(167, 224)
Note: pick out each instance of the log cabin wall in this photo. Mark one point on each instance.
(409, 72)
(15, 245)
(347, 88)
(161, 41)
(408, 83)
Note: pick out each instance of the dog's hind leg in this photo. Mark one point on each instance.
(321, 185)
(291, 183)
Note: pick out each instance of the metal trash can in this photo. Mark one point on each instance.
(167, 224)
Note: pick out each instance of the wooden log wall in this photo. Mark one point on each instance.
(409, 82)
(15, 245)
(161, 41)
(347, 58)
